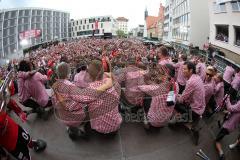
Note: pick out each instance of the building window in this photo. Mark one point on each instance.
(87, 27)
(79, 27)
(222, 33)
(81, 22)
(83, 27)
(235, 6)
(101, 25)
(85, 21)
(237, 35)
(92, 26)
(219, 8)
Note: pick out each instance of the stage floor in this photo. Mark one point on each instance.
(132, 142)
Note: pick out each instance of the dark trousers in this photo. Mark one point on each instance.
(188, 116)
(181, 88)
(227, 86)
(147, 103)
(233, 94)
(31, 104)
(34, 105)
(212, 103)
(223, 132)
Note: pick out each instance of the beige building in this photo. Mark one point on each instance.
(160, 22)
(152, 31)
(98, 26)
(225, 27)
(154, 25)
(123, 24)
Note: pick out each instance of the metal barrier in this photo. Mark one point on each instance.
(4, 91)
(221, 62)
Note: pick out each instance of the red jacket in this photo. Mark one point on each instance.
(8, 137)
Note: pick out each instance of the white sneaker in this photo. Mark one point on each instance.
(232, 146)
(145, 122)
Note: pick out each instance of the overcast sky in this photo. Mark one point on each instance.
(131, 9)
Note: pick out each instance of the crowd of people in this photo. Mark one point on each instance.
(95, 82)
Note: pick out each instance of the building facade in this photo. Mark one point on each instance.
(32, 25)
(167, 24)
(153, 27)
(93, 26)
(138, 31)
(123, 24)
(188, 25)
(225, 27)
(160, 22)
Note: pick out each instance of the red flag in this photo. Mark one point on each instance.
(96, 24)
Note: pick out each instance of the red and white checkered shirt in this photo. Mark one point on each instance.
(159, 113)
(209, 90)
(194, 94)
(71, 112)
(228, 74)
(233, 122)
(103, 112)
(201, 70)
(82, 79)
(219, 93)
(180, 77)
(132, 76)
(165, 61)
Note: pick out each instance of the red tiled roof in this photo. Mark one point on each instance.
(150, 20)
(122, 19)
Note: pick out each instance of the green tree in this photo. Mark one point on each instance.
(120, 33)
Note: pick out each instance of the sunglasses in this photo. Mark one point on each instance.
(208, 74)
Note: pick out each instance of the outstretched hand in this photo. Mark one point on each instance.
(23, 117)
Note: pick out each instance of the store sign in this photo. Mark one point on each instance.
(30, 34)
(224, 1)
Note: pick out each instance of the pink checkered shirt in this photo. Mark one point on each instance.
(194, 94)
(32, 86)
(209, 90)
(219, 93)
(180, 77)
(159, 113)
(103, 112)
(23, 94)
(201, 70)
(74, 98)
(228, 74)
(132, 77)
(233, 122)
(82, 79)
(165, 61)
(236, 82)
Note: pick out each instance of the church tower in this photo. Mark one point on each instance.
(145, 13)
